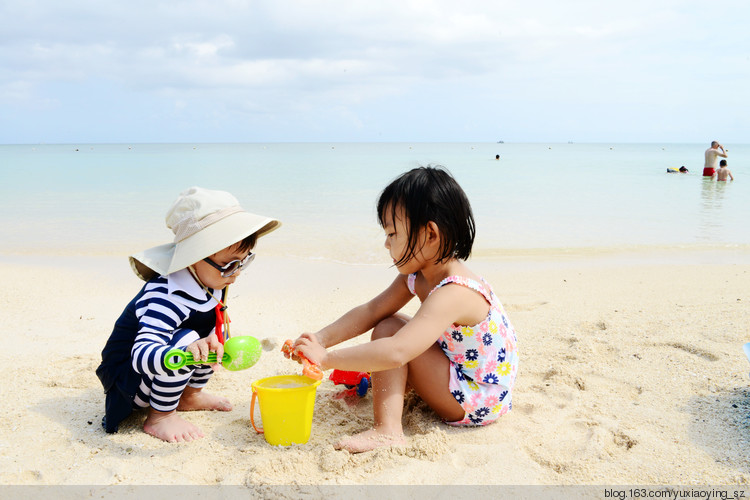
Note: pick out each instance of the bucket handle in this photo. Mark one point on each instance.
(252, 412)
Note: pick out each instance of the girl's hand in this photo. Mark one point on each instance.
(292, 355)
(307, 345)
(200, 348)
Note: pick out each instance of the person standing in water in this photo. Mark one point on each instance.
(712, 155)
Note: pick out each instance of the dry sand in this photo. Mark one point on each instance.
(631, 372)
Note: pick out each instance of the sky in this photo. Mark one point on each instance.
(102, 71)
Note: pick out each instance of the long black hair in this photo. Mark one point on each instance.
(431, 194)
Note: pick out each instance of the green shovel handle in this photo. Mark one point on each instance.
(186, 358)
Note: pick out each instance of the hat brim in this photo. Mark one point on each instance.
(171, 257)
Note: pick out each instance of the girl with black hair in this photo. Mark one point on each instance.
(458, 352)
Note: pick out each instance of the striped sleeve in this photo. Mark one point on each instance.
(158, 319)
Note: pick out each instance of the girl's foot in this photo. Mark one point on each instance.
(193, 400)
(168, 426)
(370, 440)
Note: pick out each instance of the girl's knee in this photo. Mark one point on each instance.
(389, 326)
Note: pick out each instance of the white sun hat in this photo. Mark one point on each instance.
(204, 222)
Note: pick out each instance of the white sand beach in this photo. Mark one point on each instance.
(631, 372)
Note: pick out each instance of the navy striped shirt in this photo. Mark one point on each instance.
(162, 308)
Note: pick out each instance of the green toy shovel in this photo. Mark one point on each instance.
(239, 353)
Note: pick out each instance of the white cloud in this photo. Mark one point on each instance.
(313, 57)
(204, 49)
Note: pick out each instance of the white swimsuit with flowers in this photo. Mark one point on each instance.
(483, 358)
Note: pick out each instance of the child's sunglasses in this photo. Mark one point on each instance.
(232, 267)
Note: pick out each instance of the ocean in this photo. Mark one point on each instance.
(112, 198)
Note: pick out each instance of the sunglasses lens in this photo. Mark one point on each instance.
(236, 265)
(231, 268)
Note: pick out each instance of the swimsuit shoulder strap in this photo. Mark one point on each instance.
(410, 283)
(468, 282)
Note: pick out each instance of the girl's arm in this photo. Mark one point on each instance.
(363, 318)
(444, 307)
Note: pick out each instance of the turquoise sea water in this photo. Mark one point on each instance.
(112, 197)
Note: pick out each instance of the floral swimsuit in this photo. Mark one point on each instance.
(483, 358)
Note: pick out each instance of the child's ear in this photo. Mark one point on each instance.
(432, 232)
(432, 239)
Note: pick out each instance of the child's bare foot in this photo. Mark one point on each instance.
(370, 440)
(169, 427)
(195, 399)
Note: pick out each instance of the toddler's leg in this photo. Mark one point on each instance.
(428, 374)
(182, 391)
(388, 388)
(162, 421)
(163, 392)
(193, 397)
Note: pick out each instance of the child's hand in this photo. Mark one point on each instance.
(310, 368)
(307, 345)
(200, 348)
(290, 353)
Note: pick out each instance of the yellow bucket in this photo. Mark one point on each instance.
(286, 408)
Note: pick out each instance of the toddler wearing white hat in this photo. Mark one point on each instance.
(182, 305)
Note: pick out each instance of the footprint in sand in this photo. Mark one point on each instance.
(562, 376)
(694, 350)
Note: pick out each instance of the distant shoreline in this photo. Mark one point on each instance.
(334, 142)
